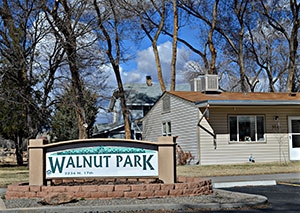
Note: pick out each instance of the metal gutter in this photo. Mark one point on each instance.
(246, 103)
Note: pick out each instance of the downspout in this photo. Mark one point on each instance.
(206, 115)
(198, 145)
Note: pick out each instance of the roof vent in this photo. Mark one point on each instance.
(205, 83)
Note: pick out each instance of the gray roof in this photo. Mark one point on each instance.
(141, 94)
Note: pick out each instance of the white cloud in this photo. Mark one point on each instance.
(146, 64)
(126, 76)
(132, 76)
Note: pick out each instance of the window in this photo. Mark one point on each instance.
(247, 128)
(166, 129)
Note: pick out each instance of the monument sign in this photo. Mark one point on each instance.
(102, 161)
(102, 158)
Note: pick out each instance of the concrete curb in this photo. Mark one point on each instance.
(244, 183)
(2, 193)
(250, 201)
(2, 205)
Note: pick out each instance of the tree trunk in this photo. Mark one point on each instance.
(77, 91)
(158, 66)
(292, 39)
(241, 63)
(19, 150)
(65, 28)
(82, 128)
(240, 50)
(154, 40)
(293, 44)
(115, 61)
(213, 51)
(174, 46)
(242, 73)
(125, 111)
(77, 88)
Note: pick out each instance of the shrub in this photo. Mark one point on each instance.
(183, 157)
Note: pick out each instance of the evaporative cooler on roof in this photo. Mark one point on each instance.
(205, 83)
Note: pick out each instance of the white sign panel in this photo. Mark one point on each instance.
(102, 161)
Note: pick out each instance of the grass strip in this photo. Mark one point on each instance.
(238, 169)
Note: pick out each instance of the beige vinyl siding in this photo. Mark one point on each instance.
(184, 118)
(206, 140)
(275, 147)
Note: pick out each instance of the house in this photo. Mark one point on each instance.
(226, 127)
(139, 100)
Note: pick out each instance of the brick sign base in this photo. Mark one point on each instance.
(185, 186)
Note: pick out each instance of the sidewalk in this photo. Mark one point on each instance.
(221, 199)
(253, 180)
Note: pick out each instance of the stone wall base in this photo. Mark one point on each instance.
(185, 186)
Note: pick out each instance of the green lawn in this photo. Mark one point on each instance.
(13, 174)
(238, 169)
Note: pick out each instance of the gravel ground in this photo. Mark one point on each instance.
(218, 197)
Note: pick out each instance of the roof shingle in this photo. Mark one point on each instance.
(236, 96)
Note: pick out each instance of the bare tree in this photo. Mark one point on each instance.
(24, 110)
(210, 42)
(109, 23)
(230, 25)
(266, 49)
(233, 30)
(153, 17)
(174, 46)
(272, 10)
(64, 17)
(146, 21)
(209, 15)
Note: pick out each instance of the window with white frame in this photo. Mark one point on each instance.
(246, 128)
(166, 128)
